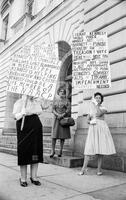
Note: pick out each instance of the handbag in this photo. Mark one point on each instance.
(67, 121)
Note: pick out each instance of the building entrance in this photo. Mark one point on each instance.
(65, 77)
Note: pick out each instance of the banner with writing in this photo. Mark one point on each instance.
(34, 71)
(91, 67)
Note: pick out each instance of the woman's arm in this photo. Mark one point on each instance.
(57, 115)
(54, 110)
(37, 107)
(44, 104)
(88, 119)
(101, 111)
(17, 112)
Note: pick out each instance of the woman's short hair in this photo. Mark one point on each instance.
(99, 94)
(61, 88)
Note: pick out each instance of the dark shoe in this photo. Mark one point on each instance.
(60, 155)
(35, 182)
(52, 155)
(23, 183)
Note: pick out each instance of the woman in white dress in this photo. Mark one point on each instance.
(99, 140)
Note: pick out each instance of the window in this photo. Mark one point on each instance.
(5, 5)
(4, 11)
(5, 27)
(38, 5)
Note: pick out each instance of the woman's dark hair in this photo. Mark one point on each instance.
(61, 88)
(99, 94)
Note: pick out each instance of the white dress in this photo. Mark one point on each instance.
(99, 139)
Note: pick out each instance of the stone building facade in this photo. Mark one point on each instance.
(34, 22)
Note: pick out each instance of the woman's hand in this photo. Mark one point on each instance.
(60, 116)
(63, 115)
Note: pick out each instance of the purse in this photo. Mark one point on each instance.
(67, 121)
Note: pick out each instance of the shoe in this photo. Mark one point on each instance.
(52, 155)
(35, 182)
(83, 172)
(23, 183)
(99, 173)
(60, 155)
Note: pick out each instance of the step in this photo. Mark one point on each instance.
(64, 161)
(8, 150)
(49, 145)
(11, 146)
(67, 142)
(12, 150)
(65, 152)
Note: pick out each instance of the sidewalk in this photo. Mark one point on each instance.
(60, 183)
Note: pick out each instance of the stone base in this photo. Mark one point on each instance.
(8, 150)
(111, 162)
(64, 161)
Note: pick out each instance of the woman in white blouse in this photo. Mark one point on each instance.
(29, 138)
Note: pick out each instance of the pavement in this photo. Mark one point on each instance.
(60, 183)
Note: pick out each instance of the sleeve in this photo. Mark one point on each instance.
(103, 109)
(91, 109)
(44, 104)
(54, 108)
(34, 108)
(17, 111)
(38, 108)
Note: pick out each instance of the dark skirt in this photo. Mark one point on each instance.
(60, 132)
(29, 141)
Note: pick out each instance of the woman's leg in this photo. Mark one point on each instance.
(33, 171)
(53, 147)
(100, 159)
(23, 170)
(86, 160)
(85, 164)
(61, 147)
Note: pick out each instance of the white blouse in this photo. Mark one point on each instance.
(32, 107)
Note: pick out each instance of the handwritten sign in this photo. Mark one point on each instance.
(90, 60)
(91, 74)
(34, 71)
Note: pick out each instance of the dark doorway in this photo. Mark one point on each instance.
(65, 77)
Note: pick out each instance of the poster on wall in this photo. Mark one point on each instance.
(34, 71)
(91, 67)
